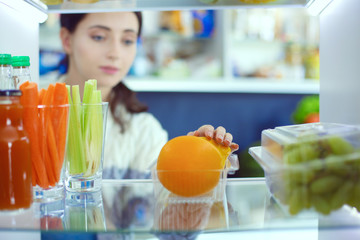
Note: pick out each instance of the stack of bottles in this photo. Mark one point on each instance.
(14, 70)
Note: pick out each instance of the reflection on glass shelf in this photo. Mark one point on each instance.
(72, 6)
(126, 209)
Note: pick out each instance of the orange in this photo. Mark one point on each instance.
(190, 166)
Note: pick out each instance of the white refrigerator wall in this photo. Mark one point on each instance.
(340, 62)
(19, 35)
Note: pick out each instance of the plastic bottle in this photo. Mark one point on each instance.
(5, 72)
(21, 70)
(15, 171)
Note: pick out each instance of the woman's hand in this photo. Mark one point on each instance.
(219, 135)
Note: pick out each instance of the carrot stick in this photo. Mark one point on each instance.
(59, 118)
(29, 100)
(41, 131)
(50, 173)
(53, 164)
(52, 148)
(41, 96)
(24, 85)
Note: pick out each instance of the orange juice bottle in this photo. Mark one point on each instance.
(15, 171)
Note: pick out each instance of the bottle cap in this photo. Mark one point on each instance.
(5, 59)
(9, 93)
(20, 61)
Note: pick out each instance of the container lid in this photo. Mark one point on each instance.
(306, 142)
(20, 61)
(311, 131)
(10, 93)
(5, 59)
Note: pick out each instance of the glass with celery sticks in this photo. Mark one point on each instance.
(85, 151)
(46, 118)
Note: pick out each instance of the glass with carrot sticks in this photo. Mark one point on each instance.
(85, 150)
(46, 118)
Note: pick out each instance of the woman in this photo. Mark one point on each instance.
(102, 46)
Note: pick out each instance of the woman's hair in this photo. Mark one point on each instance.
(120, 93)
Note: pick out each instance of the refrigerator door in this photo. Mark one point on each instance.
(19, 30)
(340, 62)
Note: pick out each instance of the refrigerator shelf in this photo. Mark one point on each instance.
(139, 5)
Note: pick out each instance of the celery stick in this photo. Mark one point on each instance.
(76, 154)
(97, 136)
(89, 88)
(93, 127)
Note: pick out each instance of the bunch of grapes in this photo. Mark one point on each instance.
(323, 174)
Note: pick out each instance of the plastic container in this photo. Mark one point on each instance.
(178, 217)
(176, 214)
(213, 195)
(312, 166)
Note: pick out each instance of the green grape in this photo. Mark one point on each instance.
(354, 199)
(305, 196)
(285, 190)
(325, 184)
(320, 204)
(338, 166)
(339, 146)
(308, 152)
(316, 165)
(297, 201)
(292, 156)
(341, 195)
(301, 175)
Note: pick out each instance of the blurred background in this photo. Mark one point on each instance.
(247, 70)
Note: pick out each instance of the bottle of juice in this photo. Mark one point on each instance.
(21, 70)
(15, 171)
(5, 72)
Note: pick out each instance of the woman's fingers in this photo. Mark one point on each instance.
(227, 139)
(191, 133)
(205, 131)
(234, 147)
(219, 135)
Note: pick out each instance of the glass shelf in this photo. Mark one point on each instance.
(131, 5)
(129, 207)
(241, 85)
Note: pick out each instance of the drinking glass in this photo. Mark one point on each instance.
(48, 138)
(85, 150)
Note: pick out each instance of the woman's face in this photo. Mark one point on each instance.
(103, 47)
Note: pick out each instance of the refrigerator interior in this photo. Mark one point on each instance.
(339, 35)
